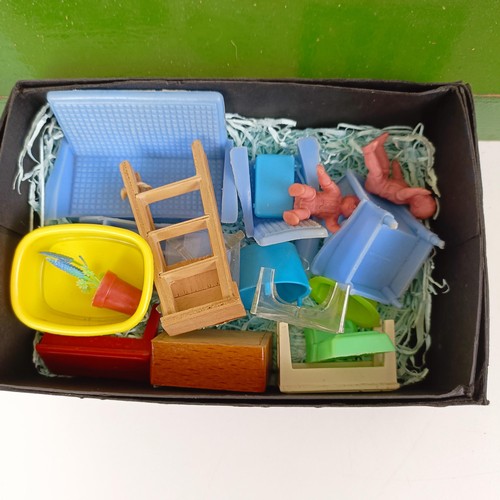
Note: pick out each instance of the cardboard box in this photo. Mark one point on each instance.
(457, 359)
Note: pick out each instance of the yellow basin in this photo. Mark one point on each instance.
(48, 300)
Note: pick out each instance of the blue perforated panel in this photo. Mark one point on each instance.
(151, 129)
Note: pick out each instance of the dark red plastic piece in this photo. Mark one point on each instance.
(102, 357)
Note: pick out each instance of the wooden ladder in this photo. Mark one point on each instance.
(195, 293)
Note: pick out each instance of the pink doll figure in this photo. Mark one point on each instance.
(327, 204)
(393, 187)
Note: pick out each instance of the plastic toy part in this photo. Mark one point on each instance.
(309, 156)
(266, 231)
(378, 250)
(377, 373)
(241, 173)
(268, 304)
(100, 357)
(310, 159)
(198, 292)
(290, 277)
(363, 312)
(273, 176)
(322, 346)
(327, 204)
(47, 300)
(391, 185)
(152, 129)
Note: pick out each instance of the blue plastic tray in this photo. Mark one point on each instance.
(378, 250)
(151, 129)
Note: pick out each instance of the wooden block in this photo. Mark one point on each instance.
(226, 360)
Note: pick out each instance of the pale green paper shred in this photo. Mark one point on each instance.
(340, 150)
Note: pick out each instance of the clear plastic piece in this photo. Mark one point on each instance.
(328, 316)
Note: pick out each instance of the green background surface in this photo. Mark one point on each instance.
(421, 40)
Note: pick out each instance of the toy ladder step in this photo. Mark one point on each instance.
(192, 267)
(196, 293)
(170, 190)
(179, 229)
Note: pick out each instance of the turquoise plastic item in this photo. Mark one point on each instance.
(274, 174)
(266, 231)
(290, 278)
(151, 129)
(310, 158)
(379, 248)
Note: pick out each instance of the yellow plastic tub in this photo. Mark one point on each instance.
(48, 300)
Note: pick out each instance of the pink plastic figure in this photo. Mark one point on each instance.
(328, 204)
(393, 187)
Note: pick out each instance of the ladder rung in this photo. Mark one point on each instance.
(179, 229)
(190, 269)
(170, 190)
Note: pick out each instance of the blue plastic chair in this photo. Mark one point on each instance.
(379, 248)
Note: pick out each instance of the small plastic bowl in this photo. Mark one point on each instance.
(48, 299)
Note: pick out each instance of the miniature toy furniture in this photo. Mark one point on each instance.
(101, 357)
(226, 360)
(268, 304)
(154, 131)
(377, 373)
(48, 300)
(309, 152)
(267, 231)
(322, 346)
(195, 293)
(324, 325)
(379, 248)
(273, 175)
(309, 158)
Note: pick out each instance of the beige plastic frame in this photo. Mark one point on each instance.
(380, 374)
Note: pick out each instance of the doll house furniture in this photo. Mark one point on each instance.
(153, 130)
(379, 248)
(263, 192)
(198, 292)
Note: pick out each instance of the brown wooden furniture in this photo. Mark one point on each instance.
(195, 293)
(226, 360)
